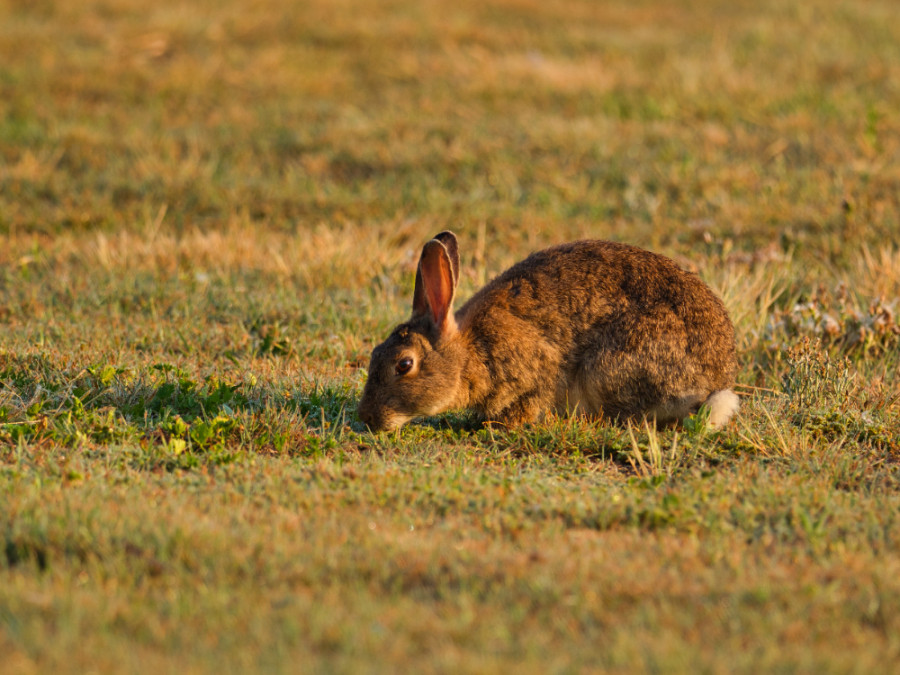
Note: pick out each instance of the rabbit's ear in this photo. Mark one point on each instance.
(448, 239)
(435, 286)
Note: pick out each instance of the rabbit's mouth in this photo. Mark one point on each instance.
(396, 421)
(382, 420)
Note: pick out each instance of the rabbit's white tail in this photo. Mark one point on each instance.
(722, 405)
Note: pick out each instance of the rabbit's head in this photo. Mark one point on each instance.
(417, 370)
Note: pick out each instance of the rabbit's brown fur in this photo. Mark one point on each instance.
(596, 327)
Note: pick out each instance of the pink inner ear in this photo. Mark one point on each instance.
(437, 278)
(440, 291)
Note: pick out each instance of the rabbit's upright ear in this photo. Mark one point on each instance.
(436, 279)
(448, 239)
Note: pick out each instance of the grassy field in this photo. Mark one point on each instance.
(211, 212)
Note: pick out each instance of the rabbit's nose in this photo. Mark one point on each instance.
(367, 415)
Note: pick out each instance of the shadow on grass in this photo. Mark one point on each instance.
(169, 415)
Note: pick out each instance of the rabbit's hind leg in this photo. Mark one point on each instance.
(678, 408)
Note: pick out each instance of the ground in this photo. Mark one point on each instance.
(211, 213)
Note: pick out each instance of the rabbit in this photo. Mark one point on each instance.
(597, 328)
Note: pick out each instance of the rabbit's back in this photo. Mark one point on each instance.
(606, 327)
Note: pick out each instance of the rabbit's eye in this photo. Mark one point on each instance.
(404, 366)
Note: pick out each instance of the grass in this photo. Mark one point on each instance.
(211, 213)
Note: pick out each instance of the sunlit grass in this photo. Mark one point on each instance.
(212, 212)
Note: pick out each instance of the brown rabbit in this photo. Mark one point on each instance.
(594, 327)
